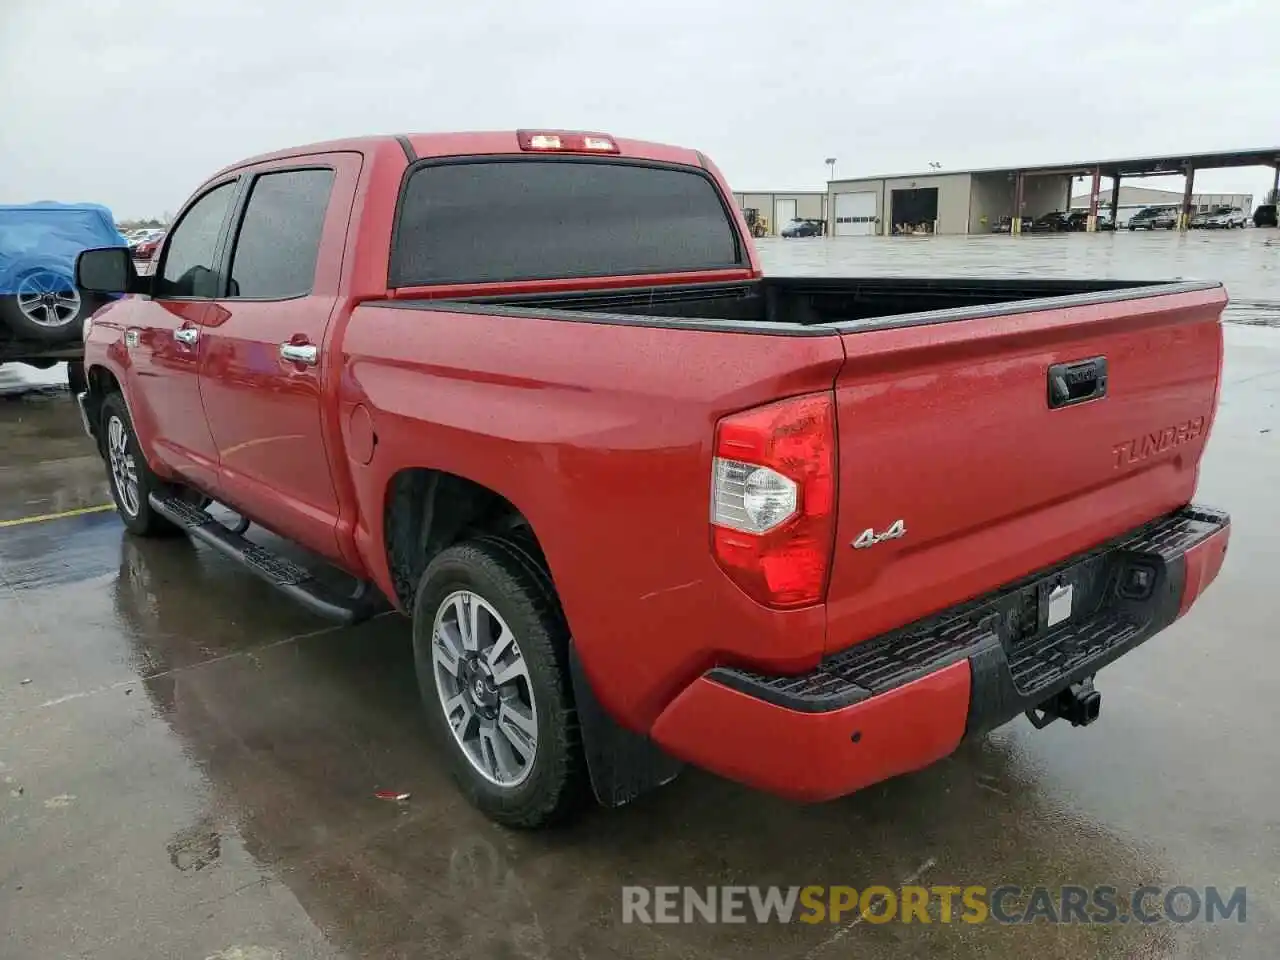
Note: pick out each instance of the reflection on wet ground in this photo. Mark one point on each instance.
(188, 768)
(1247, 261)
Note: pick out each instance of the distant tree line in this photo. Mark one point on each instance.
(147, 224)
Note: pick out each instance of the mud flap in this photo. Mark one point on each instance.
(623, 765)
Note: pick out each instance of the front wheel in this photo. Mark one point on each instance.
(128, 475)
(491, 652)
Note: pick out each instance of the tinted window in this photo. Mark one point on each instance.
(193, 243)
(279, 238)
(540, 219)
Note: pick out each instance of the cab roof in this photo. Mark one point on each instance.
(473, 143)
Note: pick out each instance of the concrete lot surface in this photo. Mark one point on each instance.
(188, 765)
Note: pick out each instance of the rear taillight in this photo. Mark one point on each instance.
(566, 142)
(773, 499)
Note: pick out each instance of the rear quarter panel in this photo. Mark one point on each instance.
(601, 436)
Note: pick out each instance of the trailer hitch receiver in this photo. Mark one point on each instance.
(1079, 704)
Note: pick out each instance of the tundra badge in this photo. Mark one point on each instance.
(869, 538)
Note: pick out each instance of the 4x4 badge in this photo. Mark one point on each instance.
(869, 538)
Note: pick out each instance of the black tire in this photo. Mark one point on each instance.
(511, 580)
(12, 315)
(139, 519)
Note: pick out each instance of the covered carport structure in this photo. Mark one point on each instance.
(1184, 165)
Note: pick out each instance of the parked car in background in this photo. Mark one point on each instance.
(1053, 222)
(39, 242)
(1219, 218)
(142, 236)
(804, 228)
(1265, 216)
(1005, 225)
(146, 248)
(42, 310)
(1229, 218)
(644, 503)
(1079, 220)
(1154, 218)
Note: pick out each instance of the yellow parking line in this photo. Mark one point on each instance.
(78, 512)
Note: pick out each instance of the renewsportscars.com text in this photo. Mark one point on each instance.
(933, 904)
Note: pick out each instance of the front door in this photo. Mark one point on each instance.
(164, 335)
(263, 373)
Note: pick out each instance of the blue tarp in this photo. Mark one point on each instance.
(48, 235)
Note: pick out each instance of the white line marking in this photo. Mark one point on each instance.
(844, 931)
(226, 656)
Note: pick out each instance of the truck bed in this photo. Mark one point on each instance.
(1002, 424)
(797, 305)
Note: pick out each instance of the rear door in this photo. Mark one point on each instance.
(165, 339)
(976, 452)
(264, 365)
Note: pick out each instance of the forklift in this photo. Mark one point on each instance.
(757, 224)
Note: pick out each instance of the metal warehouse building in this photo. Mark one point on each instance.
(779, 209)
(969, 202)
(973, 201)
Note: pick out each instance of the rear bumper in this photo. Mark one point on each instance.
(903, 700)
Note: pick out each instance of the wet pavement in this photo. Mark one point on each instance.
(188, 763)
(1247, 261)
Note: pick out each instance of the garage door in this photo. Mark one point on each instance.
(784, 211)
(855, 214)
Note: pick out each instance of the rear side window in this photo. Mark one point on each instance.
(279, 238)
(483, 221)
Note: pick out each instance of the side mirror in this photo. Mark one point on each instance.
(107, 270)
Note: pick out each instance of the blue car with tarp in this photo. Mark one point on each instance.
(42, 312)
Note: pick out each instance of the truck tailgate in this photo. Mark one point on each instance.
(978, 450)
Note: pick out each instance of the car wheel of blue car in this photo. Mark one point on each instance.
(45, 305)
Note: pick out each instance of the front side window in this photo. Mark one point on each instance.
(193, 245)
(279, 239)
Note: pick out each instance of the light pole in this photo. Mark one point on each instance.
(831, 175)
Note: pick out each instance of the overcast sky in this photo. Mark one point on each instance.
(133, 102)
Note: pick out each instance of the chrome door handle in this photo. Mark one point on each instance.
(187, 335)
(307, 353)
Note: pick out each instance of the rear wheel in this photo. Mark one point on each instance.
(131, 480)
(491, 652)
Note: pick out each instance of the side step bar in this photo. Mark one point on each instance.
(285, 575)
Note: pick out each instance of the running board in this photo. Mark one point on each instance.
(285, 575)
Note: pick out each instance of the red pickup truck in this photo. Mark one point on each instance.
(645, 505)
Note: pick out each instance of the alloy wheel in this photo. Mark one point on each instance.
(483, 684)
(124, 470)
(48, 299)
